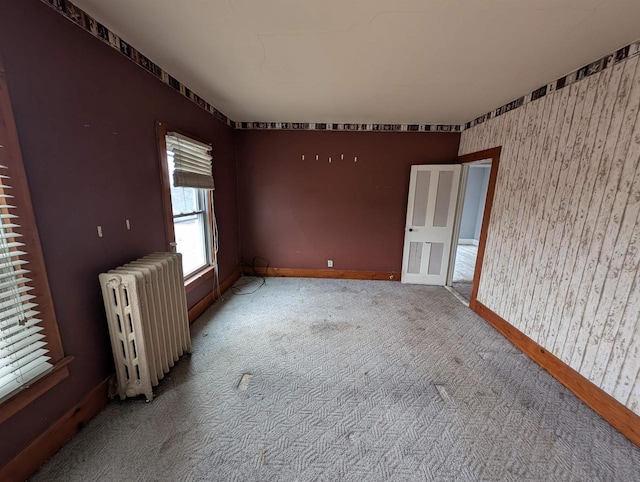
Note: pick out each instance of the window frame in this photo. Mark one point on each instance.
(202, 213)
(198, 277)
(11, 156)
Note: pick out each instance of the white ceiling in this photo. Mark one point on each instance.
(368, 61)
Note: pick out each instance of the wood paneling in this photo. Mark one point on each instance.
(563, 248)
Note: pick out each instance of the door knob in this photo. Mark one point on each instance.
(410, 229)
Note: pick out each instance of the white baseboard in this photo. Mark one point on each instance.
(468, 242)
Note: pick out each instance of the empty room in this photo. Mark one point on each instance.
(359, 240)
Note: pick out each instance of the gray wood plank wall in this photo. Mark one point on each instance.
(562, 261)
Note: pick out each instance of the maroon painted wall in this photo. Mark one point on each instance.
(85, 116)
(298, 214)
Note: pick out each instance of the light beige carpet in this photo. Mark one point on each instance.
(354, 381)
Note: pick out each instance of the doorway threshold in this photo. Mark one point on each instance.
(457, 295)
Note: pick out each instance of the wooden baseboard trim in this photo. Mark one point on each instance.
(623, 419)
(323, 273)
(201, 306)
(48, 443)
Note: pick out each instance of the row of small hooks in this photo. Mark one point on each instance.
(355, 158)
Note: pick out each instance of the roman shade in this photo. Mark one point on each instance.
(192, 162)
(24, 356)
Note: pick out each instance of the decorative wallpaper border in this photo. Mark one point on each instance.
(605, 62)
(323, 126)
(95, 28)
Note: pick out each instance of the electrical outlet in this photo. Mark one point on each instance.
(329, 263)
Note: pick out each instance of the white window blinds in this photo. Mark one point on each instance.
(192, 160)
(23, 356)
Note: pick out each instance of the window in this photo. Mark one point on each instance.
(31, 357)
(188, 202)
(190, 208)
(23, 353)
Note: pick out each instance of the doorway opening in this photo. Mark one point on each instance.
(435, 237)
(475, 199)
(474, 185)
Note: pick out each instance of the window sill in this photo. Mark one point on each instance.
(198, 278)
(24, 397)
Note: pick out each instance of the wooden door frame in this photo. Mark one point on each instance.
(494, 155)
